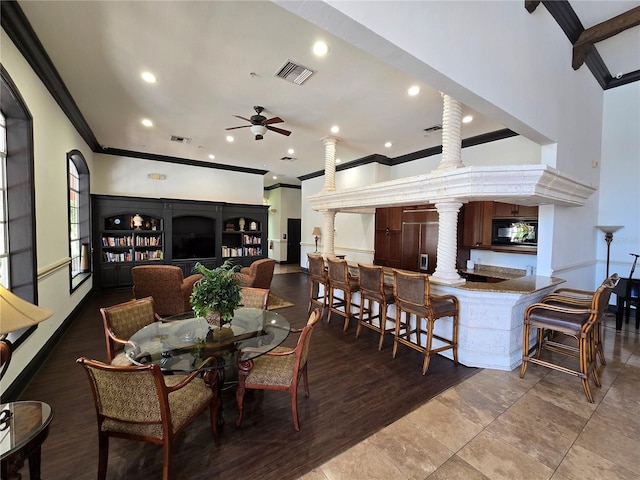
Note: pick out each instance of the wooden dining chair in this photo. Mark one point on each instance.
(121, 321)
(140, 403)
(254, 297)
(279, 369)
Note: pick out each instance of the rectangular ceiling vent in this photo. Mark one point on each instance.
(435, 128)
(288, 159)
(294, 73)
(176, 138)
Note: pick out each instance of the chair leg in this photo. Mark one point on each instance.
(330, 304)
(525, 349)
(454, 338)
(103, 455)
(294, 405)
(397, 332)
(347, 310)
(361, 318)
(167, 454)
(427, 352)
(584, 367)
(243, 370)
(382, 316)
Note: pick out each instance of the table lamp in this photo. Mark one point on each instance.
(316, 233)
(15, 314)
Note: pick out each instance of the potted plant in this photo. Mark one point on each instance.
(217, 294)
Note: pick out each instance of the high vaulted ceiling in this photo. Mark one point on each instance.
(217, 59)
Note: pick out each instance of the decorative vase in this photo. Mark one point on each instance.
(241, 224)
(214, 318)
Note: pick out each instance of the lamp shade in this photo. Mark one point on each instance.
(16, 313)
(258, 129)
(316, 231)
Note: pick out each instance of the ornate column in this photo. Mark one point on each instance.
(329, 164)
(451, 134)
(328, 227)
(446, 270)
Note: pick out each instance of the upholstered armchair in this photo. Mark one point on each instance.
(166, 284)
(140, 403)
(259, 274)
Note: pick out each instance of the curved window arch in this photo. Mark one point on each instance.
(79, 218)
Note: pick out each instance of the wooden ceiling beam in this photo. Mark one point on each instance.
(602, 31)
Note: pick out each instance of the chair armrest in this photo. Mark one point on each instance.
(557, 308)
(573, 291)
(190, 281)
(245, 270)
(453, 298)
(566, 299)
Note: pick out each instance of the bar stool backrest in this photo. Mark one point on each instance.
(338, 271)
(316, 267)
(411, 289)
(371, 278)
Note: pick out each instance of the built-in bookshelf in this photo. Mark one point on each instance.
(132, 237)
(242, 237)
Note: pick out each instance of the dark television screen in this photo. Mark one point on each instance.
(193, 237)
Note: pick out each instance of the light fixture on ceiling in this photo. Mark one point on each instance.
(320, 49)
(414, 90)
(212, 156)
(338, 160)
(275, 177)
(149, 77)
(291, 151)
(335, 129)
(156, 176)
(388, 144)
(229, 138)
(258, 131)
(467, 119)
(147, 123)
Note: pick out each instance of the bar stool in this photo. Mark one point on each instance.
(373, 289)
(413, 297)
(317, 277)
(577, 322)
(341, 279)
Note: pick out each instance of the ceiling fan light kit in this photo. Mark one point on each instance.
(259, 124)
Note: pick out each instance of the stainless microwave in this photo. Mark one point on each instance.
(514, 232)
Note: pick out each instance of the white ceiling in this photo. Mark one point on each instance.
(217, 59)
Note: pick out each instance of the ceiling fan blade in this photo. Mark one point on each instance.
(243, 118)
(278, 130)
(241, 126)
(273, 120)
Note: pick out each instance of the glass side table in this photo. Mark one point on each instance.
(24, 426)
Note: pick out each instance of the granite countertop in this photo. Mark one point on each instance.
(522, 284)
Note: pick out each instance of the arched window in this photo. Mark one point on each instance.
(79, 225)
(4, 224)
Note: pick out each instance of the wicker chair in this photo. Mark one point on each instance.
(279, 369)
(166, 284)
(374, 290)
(575, 321)
(121, 322)
(341, 279)
(317, 277)
(259, 274)
(412, 293)
(255, 297)
(140, 403)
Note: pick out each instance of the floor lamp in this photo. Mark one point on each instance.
(608, 237)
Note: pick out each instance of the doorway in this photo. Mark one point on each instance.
(293, 240)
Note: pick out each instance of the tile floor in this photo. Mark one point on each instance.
(496, 425)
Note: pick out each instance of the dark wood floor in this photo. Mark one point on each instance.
(355, 391)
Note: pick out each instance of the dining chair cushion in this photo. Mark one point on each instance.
(183, 404)
(270, 370)
(440, 308)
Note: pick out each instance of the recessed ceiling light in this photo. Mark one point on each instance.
(229, 138)
(467, 119)
(414, 90)
(335, 129)
(211, 157)
(291, 151)
(147, 123)
(320, 49)
(275, 177)
(338, 160)
(388, 144)
(149, 77)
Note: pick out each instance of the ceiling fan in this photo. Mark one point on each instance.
(260, 124)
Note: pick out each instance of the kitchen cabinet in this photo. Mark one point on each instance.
(477, 224)
(511, 210)
(388, 237)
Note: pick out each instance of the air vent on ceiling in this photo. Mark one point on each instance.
(288, 159)
(294, 73)
(176, 138)
(435, 128)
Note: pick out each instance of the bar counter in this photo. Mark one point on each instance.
(490, 323)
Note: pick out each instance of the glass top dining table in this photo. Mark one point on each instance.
(182, 342)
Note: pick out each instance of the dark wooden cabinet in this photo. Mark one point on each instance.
(477, 224)
(130, 231)
(402, 234)
(388, 237)
(511, 210)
